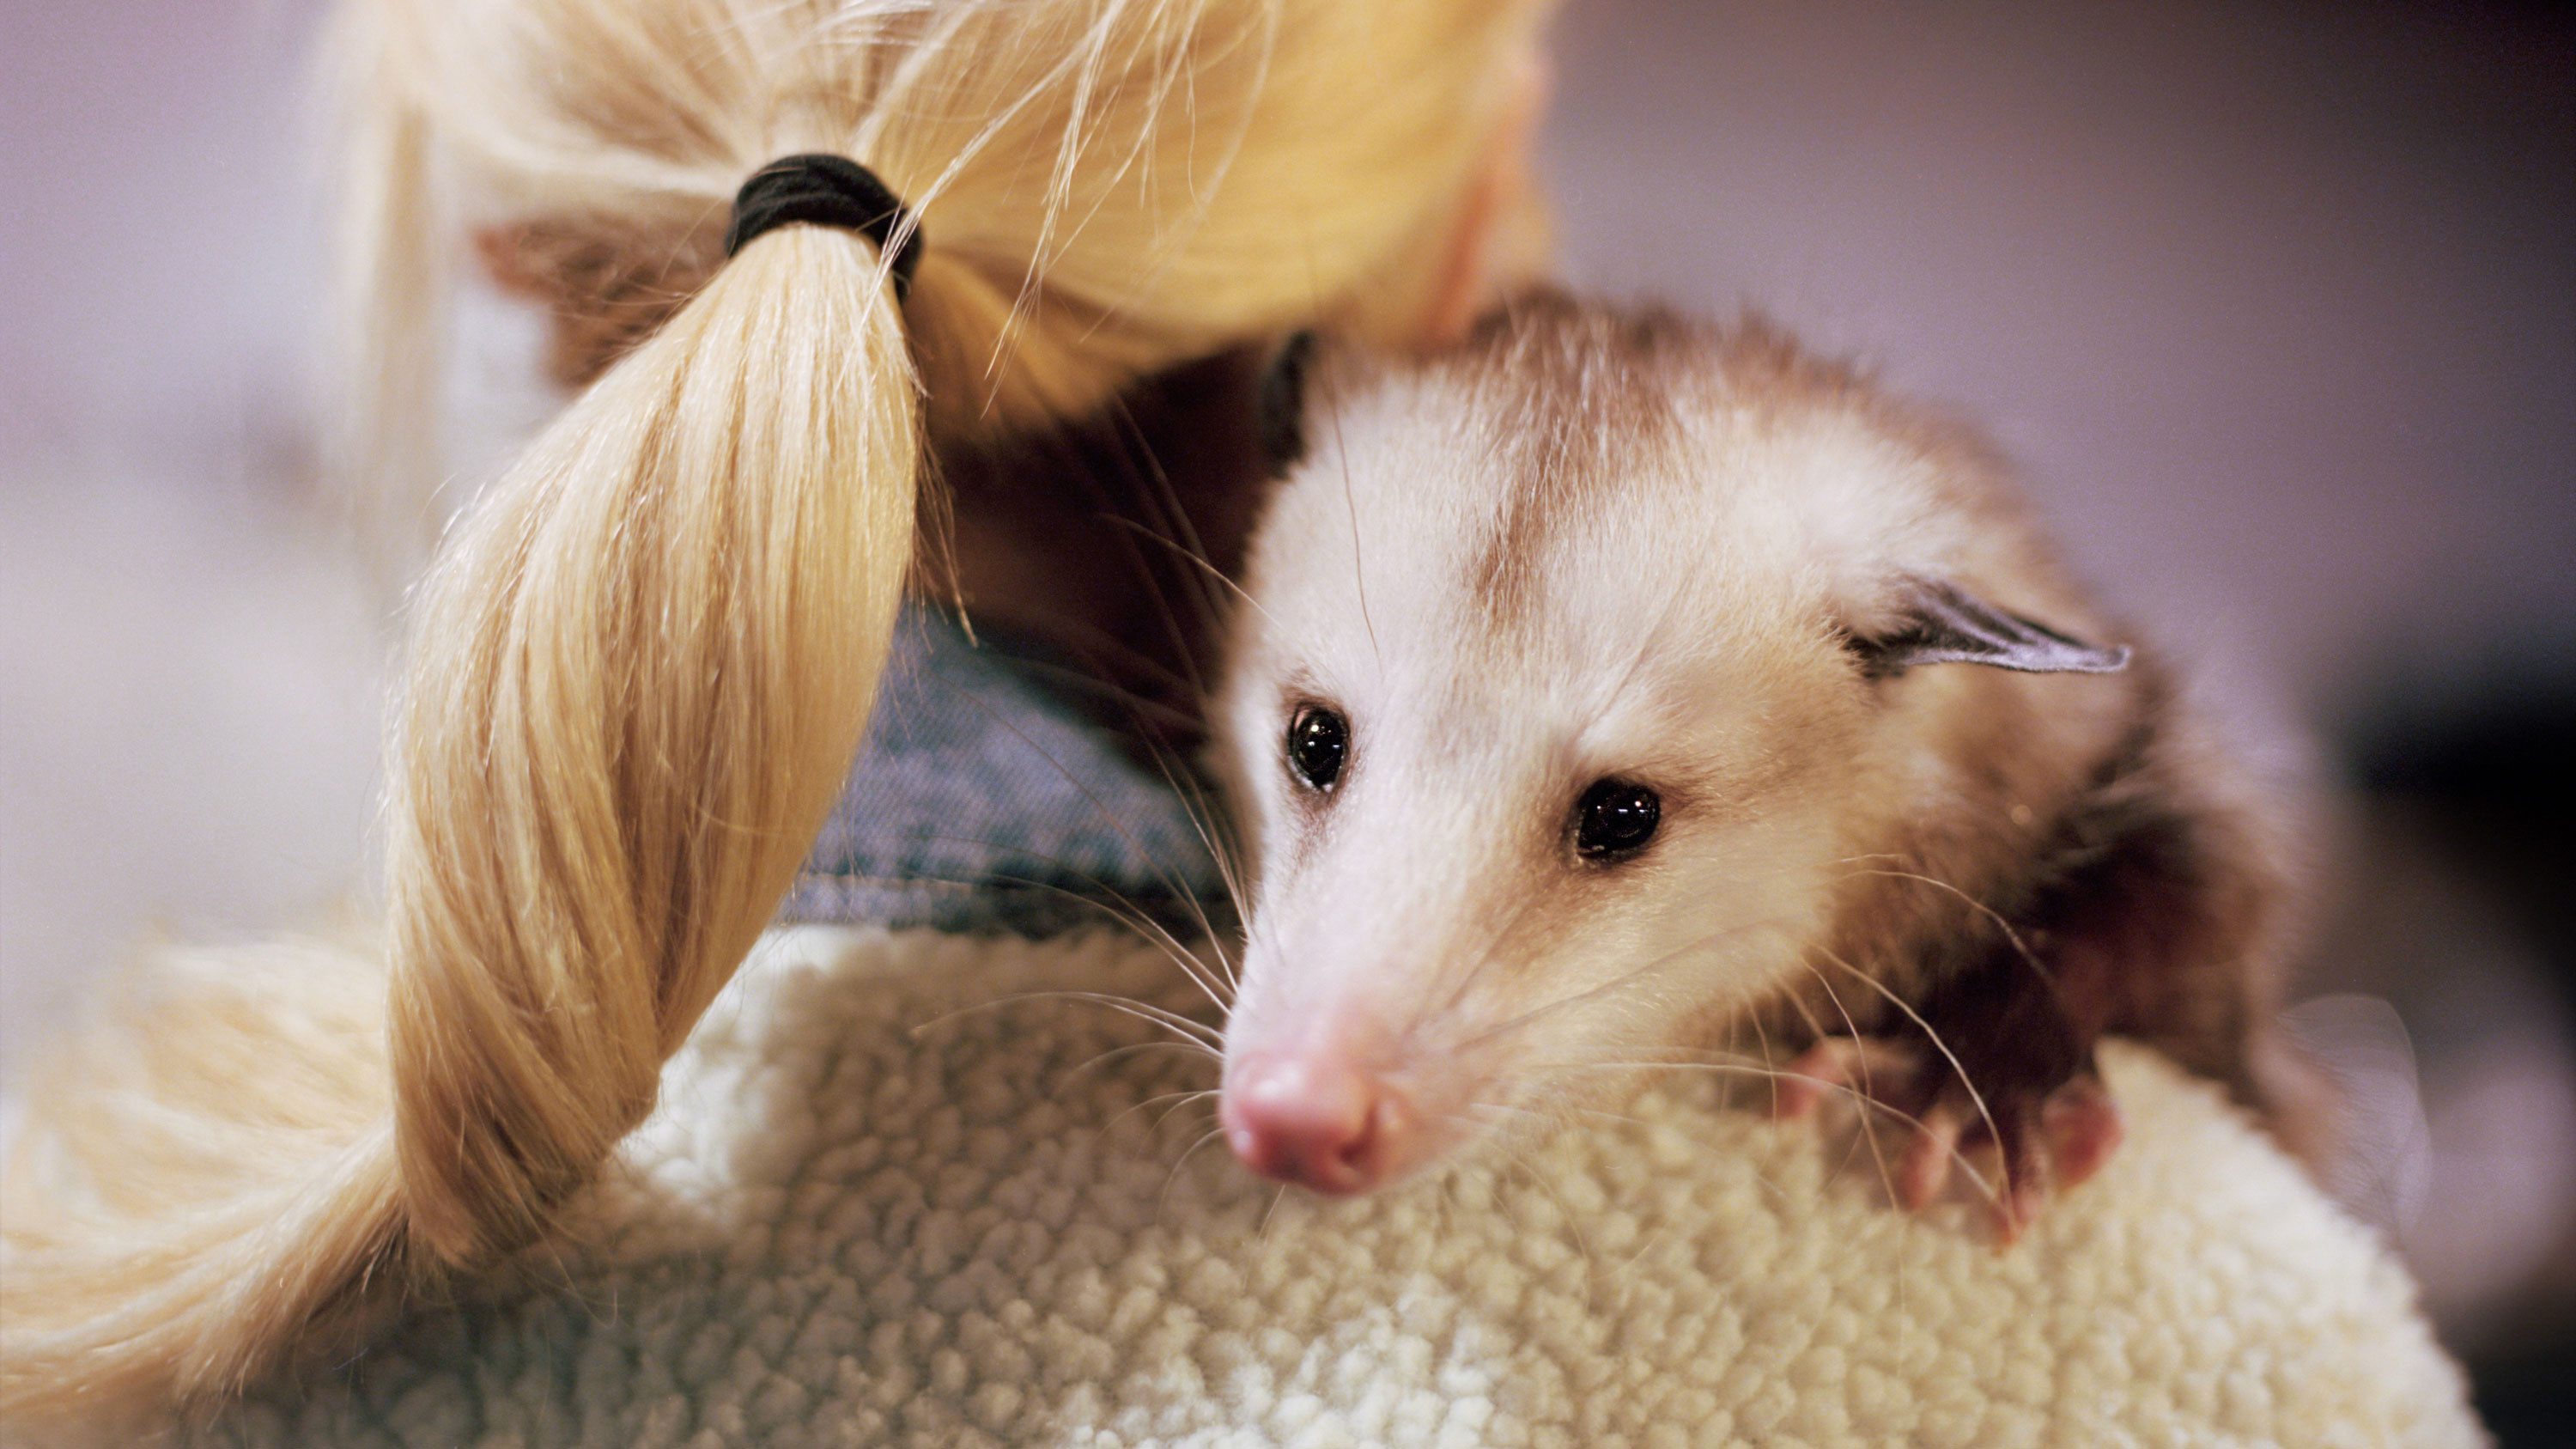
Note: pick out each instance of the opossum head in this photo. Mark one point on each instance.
(1590, 684)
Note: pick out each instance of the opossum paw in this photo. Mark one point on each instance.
(1840, 1066)
(2014, 1144)
(2053, 1141)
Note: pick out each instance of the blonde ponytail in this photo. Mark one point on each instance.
(642, 661)
(648, 660)
(638, 672)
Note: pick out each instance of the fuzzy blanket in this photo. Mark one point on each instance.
(894, 1198)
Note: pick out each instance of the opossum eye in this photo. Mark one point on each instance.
(1318, 739)
(1615, 817)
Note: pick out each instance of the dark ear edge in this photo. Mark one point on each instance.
(1942, 624)
(1281, 401)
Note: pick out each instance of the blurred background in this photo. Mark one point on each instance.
(2275, 301)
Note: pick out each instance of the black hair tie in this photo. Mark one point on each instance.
(828, 191)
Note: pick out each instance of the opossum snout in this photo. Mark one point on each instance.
(1319, 1121)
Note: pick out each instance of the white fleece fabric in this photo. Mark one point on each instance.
(894, 1199)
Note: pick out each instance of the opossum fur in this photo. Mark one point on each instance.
(1909, 785)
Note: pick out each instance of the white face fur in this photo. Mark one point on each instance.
(1562, 634)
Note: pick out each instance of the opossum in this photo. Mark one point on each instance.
(1617, 687)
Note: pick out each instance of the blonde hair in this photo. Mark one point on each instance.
(640, 664)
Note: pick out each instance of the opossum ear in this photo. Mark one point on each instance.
(1941, 624)
(1282, 403)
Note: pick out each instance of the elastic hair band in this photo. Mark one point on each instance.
(828, 191)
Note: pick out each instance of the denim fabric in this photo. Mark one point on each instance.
(986, 798)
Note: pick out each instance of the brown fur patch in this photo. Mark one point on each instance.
(1583, 396)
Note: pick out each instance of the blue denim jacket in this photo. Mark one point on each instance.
(987, 799)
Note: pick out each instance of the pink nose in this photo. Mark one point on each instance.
(1316, 1122)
